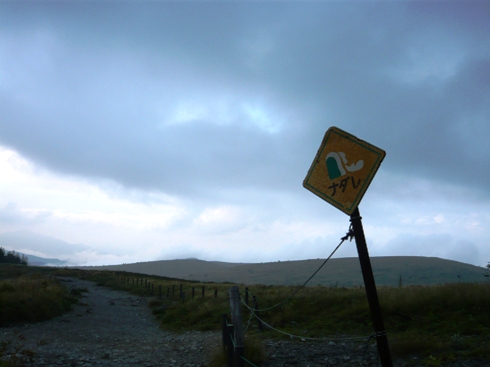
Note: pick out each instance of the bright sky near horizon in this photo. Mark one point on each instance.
(148, 130)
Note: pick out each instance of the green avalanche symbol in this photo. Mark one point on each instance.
(337, 165)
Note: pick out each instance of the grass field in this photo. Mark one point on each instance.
(439, 324)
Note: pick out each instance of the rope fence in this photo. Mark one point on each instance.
(150, 287)
(230, 333)
(305, 337)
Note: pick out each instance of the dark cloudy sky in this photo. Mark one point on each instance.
(159, 130)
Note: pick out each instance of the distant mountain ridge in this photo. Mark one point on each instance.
(42, 261)
(388, 271)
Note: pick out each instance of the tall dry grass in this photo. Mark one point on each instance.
(31, 298)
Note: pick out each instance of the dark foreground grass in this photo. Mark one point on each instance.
(442, 322)
(31, 297)
(438, 324)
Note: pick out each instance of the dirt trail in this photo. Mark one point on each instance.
(109, 328)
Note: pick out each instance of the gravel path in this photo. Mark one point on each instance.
(109, 328)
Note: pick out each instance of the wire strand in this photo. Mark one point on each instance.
(306, 337)
(349, 234)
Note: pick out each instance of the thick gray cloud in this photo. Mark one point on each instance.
(190, 98)
(436, 245)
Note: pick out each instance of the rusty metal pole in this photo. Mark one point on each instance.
(372, 294)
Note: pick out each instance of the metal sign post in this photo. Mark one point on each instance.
(371, 292)
(340, 174)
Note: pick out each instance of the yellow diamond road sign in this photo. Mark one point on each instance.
(343, 169)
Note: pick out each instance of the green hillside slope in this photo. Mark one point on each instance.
(413, 270)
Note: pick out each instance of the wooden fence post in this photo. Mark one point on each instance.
(193, 292)
(236, 319)
(202, 291)
(159, 291)
(227, 332)
(215, 293)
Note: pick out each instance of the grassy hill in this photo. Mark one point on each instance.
(346, 272)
